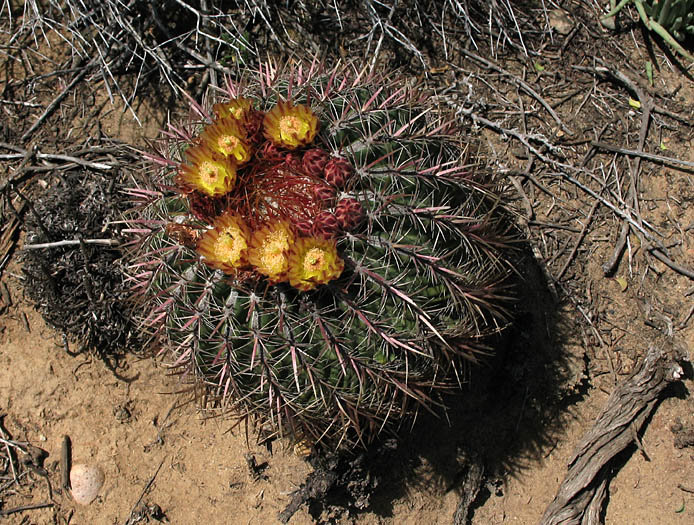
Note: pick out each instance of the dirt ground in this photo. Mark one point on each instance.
(138, 431)
(579, 331)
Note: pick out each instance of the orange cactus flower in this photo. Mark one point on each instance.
(289, 126)
(225, 245)
(207, 171)
(313, 261)
(237, 108)
(226, 136)
(269, 249)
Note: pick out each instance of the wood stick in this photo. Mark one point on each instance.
(51, 107)
(660, 255)
(642, 154)
(144, 491)
(65, 462)
(610, 266)
(66, 158)
(470, 488)
(26, 507)
(579, 240)
(522, 84)
(584, 487)
(74, 242)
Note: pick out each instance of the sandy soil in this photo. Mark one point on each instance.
(139, 430)
(131, 429)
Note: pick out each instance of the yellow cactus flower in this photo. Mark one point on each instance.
(313, 261)
(269, 248)
(226, 136)
(207, 171)
(289, 126)
(225, 245)
(236, 108)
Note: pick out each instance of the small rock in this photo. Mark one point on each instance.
(122, 413)
(560, 22)
(86, 482)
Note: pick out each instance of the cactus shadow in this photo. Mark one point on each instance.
(508, 415)
(506, 418)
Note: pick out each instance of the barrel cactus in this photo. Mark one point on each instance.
(316, 249)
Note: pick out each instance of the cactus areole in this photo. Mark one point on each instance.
(319, 253)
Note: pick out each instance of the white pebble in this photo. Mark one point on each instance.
(86, 482)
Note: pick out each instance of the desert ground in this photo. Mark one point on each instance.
(587, 126)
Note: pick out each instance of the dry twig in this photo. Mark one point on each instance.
(84, 69)
(470, 488)
(581, 494)
(668, 161)
(146, 488)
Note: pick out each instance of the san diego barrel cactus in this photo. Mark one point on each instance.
(314, 248)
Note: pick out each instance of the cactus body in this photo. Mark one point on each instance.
(327, 315)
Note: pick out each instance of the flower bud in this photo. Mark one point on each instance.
(304, 228)
(314, 162)
(338, 172)
(325, 225)
(349, 214)
(271, 153)
(323, 193)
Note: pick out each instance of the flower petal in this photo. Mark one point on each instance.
(269, 250)
(225, 136)
(224, 246)
(289, 126)
(207, 171)
(313, 261)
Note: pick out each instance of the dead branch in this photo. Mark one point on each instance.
(65, 462)
(660, 255)
(73, 242)
(521, 84)
(7, 512)
(51, 107)
(676, 163)
(146, 488)
(633, 87)
(317, 485)
(580, 496)
(579, 240)
(66, 158)
(470, 488)
(610, 266)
